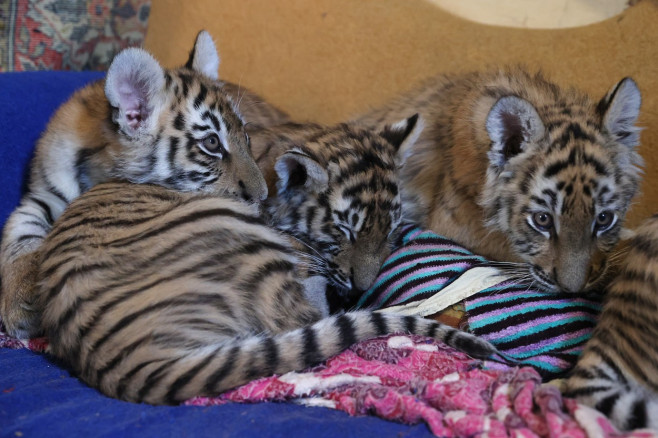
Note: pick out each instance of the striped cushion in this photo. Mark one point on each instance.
(545, 331)
(423, 265)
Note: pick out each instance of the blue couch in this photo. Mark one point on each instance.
(40, 398)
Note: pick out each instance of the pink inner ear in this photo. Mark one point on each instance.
(134, 118)
(130, 101)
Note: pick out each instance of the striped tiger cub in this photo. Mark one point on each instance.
(336, 190)
(153, 295)
(618, 370)
(178, 128)
(523, 171)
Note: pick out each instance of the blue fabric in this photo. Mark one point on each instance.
(39, 398)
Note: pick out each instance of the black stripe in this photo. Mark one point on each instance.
(177, 250)
(599, 167)
(202, 128)
(432, 330)
(77, 271)
(619, 374)
(120, 388)
(269, 361)
(25, 237)
(184, 379)
(448, 337)
(252, 282)
(346, 331)
(193, 299)
(44, 208)
(214, 380)
(125, 352)
(638, 417)
(173, 150)
(607, 404)
(82, 168)
(184, 220)
(186, 80)
(203, 91)
(311, 353)
(586, 390)
(52, 189)
(367, 160)
(39, 223)
(310, 215)
(179, 122)
(646, 247)
(410, 324)
(633, 346)
(379, 321)
(555, 168)
(213, 119)
(154, 378)
(103, 221)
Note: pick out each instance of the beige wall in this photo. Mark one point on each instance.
(327, 60)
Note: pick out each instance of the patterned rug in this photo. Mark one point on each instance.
(68, 34)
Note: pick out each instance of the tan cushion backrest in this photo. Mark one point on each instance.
(328, 60)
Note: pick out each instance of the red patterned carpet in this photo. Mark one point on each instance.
(68, 34)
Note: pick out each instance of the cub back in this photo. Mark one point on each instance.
(159, 296)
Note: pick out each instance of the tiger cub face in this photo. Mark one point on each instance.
(179, 128)
(338, 193)
(560, 184)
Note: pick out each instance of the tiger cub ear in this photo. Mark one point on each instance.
(133, 86)
(297, 169)
(203, 57)
(619, 110)
(403, 135)
(512, 125)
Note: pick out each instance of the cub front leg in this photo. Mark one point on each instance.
(18, 300)
(22, 237)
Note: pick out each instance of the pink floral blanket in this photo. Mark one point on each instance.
(412, 379)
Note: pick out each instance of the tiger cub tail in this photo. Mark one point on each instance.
(212, 371)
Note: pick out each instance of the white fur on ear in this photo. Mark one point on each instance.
(403, 135)
(295, 169)
(133, 85)
(512, 124)
(204, 58)
(621, 108)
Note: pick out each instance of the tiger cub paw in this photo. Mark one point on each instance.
(18, 301)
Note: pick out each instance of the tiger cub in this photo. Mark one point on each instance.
(178, 128)
(336, 191)
(520, 170)
(618, 370)
(153, 295)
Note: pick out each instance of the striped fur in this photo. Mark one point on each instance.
(157, 296)
(337, 193)
(618, 371)
(179, 128)
(522, 171)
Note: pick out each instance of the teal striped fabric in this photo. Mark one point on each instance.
(545, 331)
